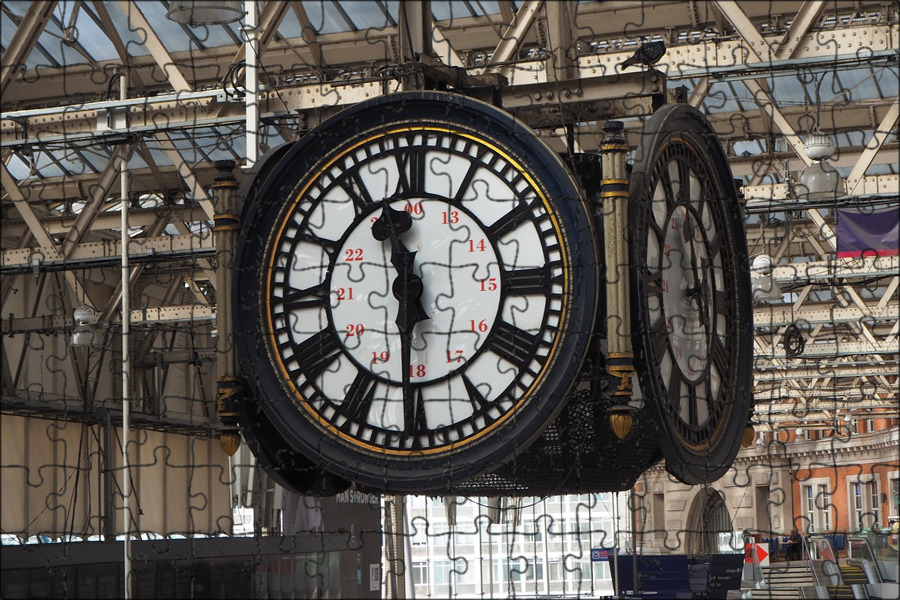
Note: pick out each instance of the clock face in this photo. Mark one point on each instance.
(424, 290)
(691, 301)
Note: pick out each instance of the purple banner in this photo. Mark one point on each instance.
(868, 234)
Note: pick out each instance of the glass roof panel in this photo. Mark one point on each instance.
(45, 165)
(884, 169)
(71, 162)
(159, 157)
(490, 7)
(787, 90)
(720, 99)
(63, 53)
(365, 14)
(136, 162)
(133, 40)
(36, 59)
(393, 8)
(169, 32)
(7, 31)
(93, 39)
(215, 36)
(18, 168)
(888, 81)
(858, 85)
(325, 18)
(449, 10)
(289, 28)
(235, 147)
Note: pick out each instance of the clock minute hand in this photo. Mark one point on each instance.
(699, 288)
(407, 289)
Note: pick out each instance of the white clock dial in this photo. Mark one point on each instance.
(418, 282)
(488, 258)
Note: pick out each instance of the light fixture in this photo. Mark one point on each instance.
(84, 334)
(205, 12)
(848, 418)
(820, 180)
(760, 444)
(764, 285)
(799, 432)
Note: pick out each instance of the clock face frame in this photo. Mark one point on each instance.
(416, 286)
(690, 286)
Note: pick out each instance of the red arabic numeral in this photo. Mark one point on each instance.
(481, 325)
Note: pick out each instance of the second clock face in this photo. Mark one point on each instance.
(690, 299)
(419, 288)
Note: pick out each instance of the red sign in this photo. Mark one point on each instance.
(761, 553)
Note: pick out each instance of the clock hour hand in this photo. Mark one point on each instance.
(391, 224)
(699, 288)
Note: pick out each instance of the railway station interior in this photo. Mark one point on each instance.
(449, 299)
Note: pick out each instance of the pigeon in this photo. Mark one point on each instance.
(647, 54)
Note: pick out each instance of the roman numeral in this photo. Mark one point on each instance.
(420, 424)
(512, 344)
(317, 352)
(512, 219)
(684, 174)
(722, 305)
(466, 182)
(357, 191)
(479, 402)
(715, 245)
(358, 398)
(523, 282)
(673, 390)
(719, 356)
(311, 297)
(411, 165)
(659, 339)
(329, 246)
(693, 411)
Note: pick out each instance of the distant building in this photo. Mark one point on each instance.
(527, 547)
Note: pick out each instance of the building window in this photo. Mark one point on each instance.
(420, 529)
(441, 572)
(874, 503)
(864, 504)
(420, 573)
(894, 508)
(556, 571)
(659, 516)
(823, 506)
(817, 506)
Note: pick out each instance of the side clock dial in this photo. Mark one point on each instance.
(691, 303)
(418, 288)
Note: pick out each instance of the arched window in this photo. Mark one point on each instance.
(708, 518)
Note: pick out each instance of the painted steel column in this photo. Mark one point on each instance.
(251, 76)
(126, 354)
(619, 355)
(229, 386)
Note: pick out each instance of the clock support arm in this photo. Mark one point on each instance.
(620, 356)
(229, 386)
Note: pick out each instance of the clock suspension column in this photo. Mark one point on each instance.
(229, 386)
(619, 354)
